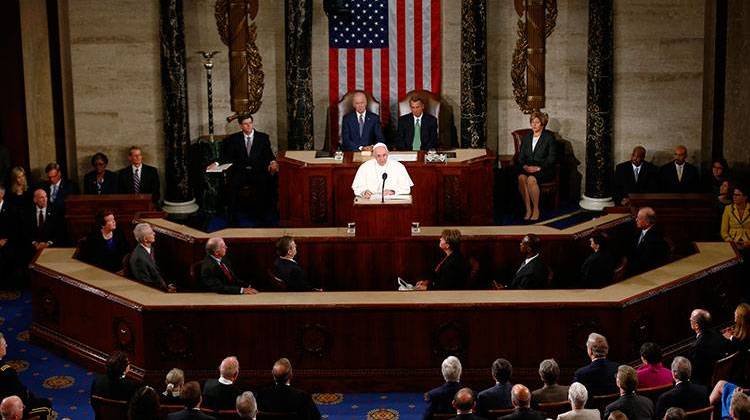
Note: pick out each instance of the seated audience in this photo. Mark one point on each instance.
(578, 395)
(440, 400)
(634, 176)
(10, 384)
(113, 384)
(246, 406)
(653, 373)
(12, 408)
(674, 413)
(724, 197)
(498, 396)
(465, 404)
(709, 346)
(175, 380)
(679, 176)
(719, 174)
(722, 394)
(521, 399)
(57, 188)
(282, 397)
(138, 178)
(649, 250)
(19, 195)
(739, 335)
(537, 156)
(685, 395)
(286, 267)
(360, 129)
(739, 406)
(533, 273)
(100, 180)
(735, 222)
(416, 130)
(144, 405)
(221, 394)
(451, 271)
(634, 406)
(549, 371)
(106, 246)
(142, 262)
(41, 226)
(598, 268)
(191, 396)
(599, 376)
(216, 271)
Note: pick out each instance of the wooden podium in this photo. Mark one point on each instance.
(81, 209)
(380, 220)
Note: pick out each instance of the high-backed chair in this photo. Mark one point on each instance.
(344, 107)
(274, 282)
(551, 188)
(432, 106)
(654, 392)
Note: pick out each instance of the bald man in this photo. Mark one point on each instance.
(634, 176)
(11, 408)
(709, 347)
(222, 393)
(282, 397)
(648, 250)
(216, 271)
(464, 403)
(679, 176)
(360, 129)
(521, 398)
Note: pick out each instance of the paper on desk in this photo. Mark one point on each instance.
(403, 157)
(220, 168)
(403, 285)
(395, 197)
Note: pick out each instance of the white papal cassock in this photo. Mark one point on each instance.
(370, 177)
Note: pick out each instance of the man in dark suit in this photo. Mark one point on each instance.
(191, 395)
(221, 394)
(287, 269)
(252, 177)
(41, 227)
(551, 392)
(216, 272)
(417, 130)
(282, 397)
(57, 188)
(634, 406)
(440, 400)
(465, 404)
(498, 396)
(709, 347)
(247, 407)
(634, 176)
(685, 395)
(599, 376)
(360, 128)
(679, 176)
(521, 398)
(533, 273)
(113, 384)
(139, 178)
(142, 262)
(649, 249)
(11, 385)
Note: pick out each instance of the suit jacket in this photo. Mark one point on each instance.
(530, 276)
(115, 389)
(685, 395)
(189, 414)
(405, 132)
(233, 151)
(670, 184)
(450, 274)
(149, 181)
(109, 184)
(95, 251)
(10, 384)
(218, 396)
(624, 181)
(495, 398)
(650, 253)
(292, 274)
(8, 227)
(544, 154)
(597, 270)
(67, 187)
(549, 394)
(440, 399)
(213, 279)
(636, 407)
(52, 230)
(598, 377)
(284, 398)
(583, 414)
(371, 131)
(143, 268)
(524, 414)
(709, 347)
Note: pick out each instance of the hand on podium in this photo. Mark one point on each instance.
(249, 291)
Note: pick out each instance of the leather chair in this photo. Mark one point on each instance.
(344, 107)
(700, 414)
(551, 188)
(275, 283)
(654, 392)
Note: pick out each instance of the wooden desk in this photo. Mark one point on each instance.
(389, 219)
(317, 192)
(81, 209)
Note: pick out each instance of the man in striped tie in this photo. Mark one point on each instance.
(216, 271)
(139, 178)
(416, 130)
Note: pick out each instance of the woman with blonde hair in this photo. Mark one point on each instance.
(18, 194)
(175, 380)
(739, 336)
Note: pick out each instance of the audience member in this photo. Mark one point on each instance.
(282, 397)
(533, 273)
(634, 406)
(440, 400)
(106, 246)
(142, 262)
(634, 176)
(649, 249)
(617, 415)
(113, 384)
(719, 174)
(685, 395)
(735, 222)
(381, 174)
(10, 384)
(416, 130)
(464, 403)
(138, 178)
(11, 408)
(679, 176)
(174, 381)
(537, 156)
(724, 197)
(221, 394)
(286, 267)
(451, 271)
(216, 271)
(144, 405)
(549, 371)
(57, 188)
(191, 396)
(739, 408)
(521, 399)
(674, 413)
(739, 335)
(100, 180)
(599, 376)
(41, 227)
(498, 396)
(598, 268)
(360, 129)
(721, 396)
(709, 346)
(246, 406)
(578, 395)
(18, 195)
(653, 373)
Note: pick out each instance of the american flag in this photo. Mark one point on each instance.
(385, 47)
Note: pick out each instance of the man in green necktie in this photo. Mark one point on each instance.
(418, 129)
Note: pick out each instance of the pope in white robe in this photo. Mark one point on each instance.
(369, 177)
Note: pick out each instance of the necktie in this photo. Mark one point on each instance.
(635, 172)
(248, 144)
(417, 143)
(361, 124)
(679, 172)
(53, 193)
(40, 219)
(640, 239)
(137, 181)
(227, 273)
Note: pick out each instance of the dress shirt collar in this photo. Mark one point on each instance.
(44, 209)
(362, 115)
(645, 231)
(1, 204)
(288, 259)
(251, 135)
(224, 381)
(418, 119)
(636, 168)
(139, 168)
(529, 259)
(147, 248)
(218, 260)
(678, 165)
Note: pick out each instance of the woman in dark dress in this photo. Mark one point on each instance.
(451, 271)
(100, 180)
(17, 194)
(599, 267)
(537, 156)
(106, 246)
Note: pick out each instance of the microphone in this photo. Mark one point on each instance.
(382, 191)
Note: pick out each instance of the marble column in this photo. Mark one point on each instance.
(179, 196)
(298, 74)
(599, 112)
(473, 73)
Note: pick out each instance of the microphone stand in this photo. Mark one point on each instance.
(382, 190)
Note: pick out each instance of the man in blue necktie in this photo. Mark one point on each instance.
(360, 129)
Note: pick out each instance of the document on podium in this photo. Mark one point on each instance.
(219, 168)
(376, 199)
